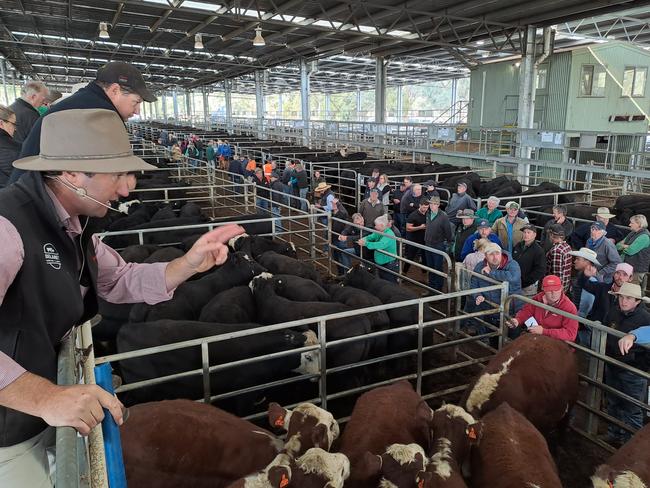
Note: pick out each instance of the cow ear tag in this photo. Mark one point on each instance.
(421, 484)
(284, 481)
(279, 422)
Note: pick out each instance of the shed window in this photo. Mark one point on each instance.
(540, 81)
(592, 81)
(634, 79)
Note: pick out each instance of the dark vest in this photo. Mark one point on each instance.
(44, 301)
(641, 260)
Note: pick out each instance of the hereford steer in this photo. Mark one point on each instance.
(307, 426)
(400, 466)
(314, 469)
(629, 467)
(181, 443)
(449, 446)
(381, 417)
(508, 452)
(535, 374)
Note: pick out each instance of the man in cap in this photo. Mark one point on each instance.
(558, 258)
(559, 218)
(603, 300)
(429, 189)
(581, 233)
(415, 230)
(117, 86)
(372, 207)
(459, 201)
(508, 228)
(483, 231)
(410, 200)
(54, 270)
(628, 314)
(498, 266)
(437, 235)
(582, 299)
(467, 228)
(606, 252)
(531, 259)
(538, 320)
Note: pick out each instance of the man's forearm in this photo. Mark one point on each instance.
(178, 271)
(26, 394)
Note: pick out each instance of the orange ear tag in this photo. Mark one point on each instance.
(421, 484)
(472, 433)
(284, 481)
(279, 422)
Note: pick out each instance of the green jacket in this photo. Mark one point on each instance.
(209, 153)
(491, 217)
(379, 242)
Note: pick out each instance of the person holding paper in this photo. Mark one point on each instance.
(538, 320)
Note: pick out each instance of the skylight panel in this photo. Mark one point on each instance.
(200, 6)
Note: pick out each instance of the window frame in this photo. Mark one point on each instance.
(596, 70)
(634, 69)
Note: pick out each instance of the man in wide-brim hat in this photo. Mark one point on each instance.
(628, 314)
(53, 271)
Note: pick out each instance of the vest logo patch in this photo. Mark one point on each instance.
(52, 256)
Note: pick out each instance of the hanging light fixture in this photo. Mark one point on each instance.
(259, 40)
(103, 31)
(198, 41)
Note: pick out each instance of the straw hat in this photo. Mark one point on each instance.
(630, 290)
(90, 140)
(322, 186)
(604, 213)
(588, 254)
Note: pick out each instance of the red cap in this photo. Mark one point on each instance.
(551, 283)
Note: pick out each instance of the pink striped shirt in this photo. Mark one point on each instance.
(117, 280)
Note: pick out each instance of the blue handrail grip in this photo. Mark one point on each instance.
(112, 443)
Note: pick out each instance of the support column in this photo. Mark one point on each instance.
(400, 103)
(380, 90)
(164, 107)
(304, 102)
(454, 99)
(526, 109)
(259, 101)
(155, 109)
(143, 111)
(175, 104)
(206, 109)
(227, 84)
(188, 106)
(3, 66)
(358, 104)
(280, 111)
(328, 100)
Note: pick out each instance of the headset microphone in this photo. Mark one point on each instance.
(83, 193)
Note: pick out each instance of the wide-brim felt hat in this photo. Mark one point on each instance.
(631, 290)
(588, 254)
(322, 186)
(88, 140)
(604, 213)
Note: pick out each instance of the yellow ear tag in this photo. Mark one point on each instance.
(284, 481)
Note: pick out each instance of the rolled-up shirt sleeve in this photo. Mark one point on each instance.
(122, 282)
(10, 370)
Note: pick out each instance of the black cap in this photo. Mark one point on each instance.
(557, 229)
(125, 75)
(529, 227)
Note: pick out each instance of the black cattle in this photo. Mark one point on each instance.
(164, 213)
(279, 264)
(158, 238)
(299, 289)
(274, 309)
(136, 336)
(251, 228)
(358, 298)
(530, 201)
(628, 205)
(190, 209)
(255, 246)
(501, 186)
(137, 253)
(164, 255)
(190, 297)
(233, 306)
(473, 181)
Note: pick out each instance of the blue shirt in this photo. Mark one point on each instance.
(642, 334)
(509, 229)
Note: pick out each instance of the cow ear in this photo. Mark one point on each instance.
(279, 476)
(369, 466)
(424, 479)
(474, 432)
(277, 415)
(424, 412)
(419, 458)
(319, 437)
